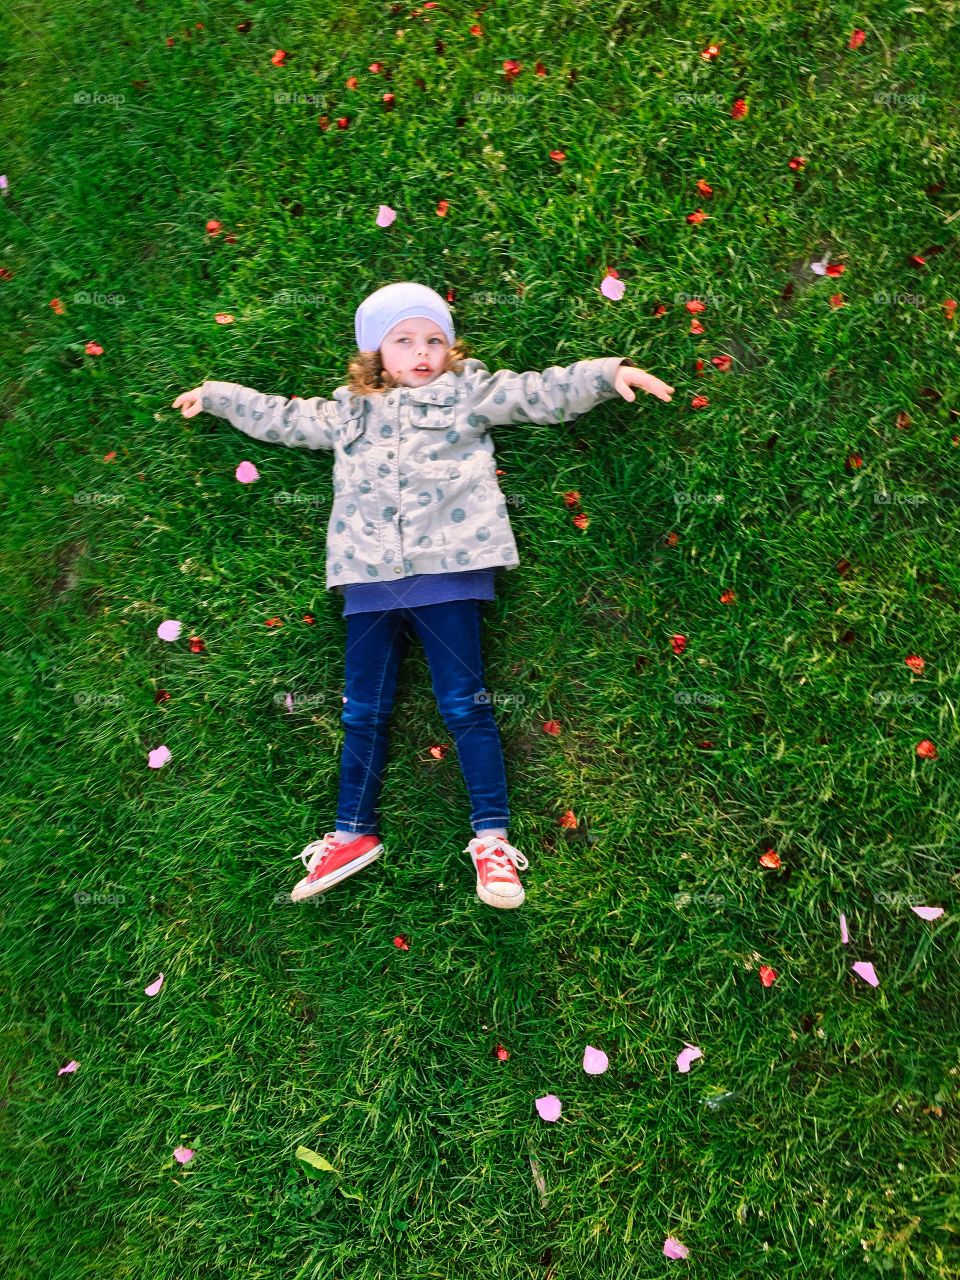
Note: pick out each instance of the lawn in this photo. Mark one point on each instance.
(725, 669)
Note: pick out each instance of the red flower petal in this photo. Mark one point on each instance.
(739, 109)
(857, 38)
(551, 727)
(770, 859)
(926, 750)
(679, 643)
(768, 976)
(915, 664)
(568, 819)
(401, 943)
(695, 306)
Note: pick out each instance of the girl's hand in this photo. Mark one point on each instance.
(628, 376)
(190, 403)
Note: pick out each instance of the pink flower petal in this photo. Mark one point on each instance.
(928, 913)
(690, 1054)
(595, 1061)
(183, 1154)
(612, 288)
(549, 1107)
(246, 473)
(159, 757)
(71, 1066)
(3, 182)
(154, 987)
(865, 970)
(289, 702)
(169, 630)
(386, 215)
(672, 1248)
(844, 936)
(820, 268)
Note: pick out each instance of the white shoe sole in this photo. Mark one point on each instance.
(494, 900)
(304, 890)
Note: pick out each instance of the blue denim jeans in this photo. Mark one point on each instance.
(376, 643)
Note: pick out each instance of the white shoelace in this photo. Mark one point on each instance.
(317, 846)
(499, 862)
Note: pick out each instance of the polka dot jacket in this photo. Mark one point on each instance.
(414, 476)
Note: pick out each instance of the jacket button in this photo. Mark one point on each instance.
(398, 569)
(390, 454)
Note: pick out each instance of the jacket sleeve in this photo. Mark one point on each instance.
(301, 424)
(558, 394)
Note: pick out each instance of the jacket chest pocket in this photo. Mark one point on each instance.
(434, 409)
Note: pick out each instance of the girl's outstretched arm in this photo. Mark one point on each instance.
(301, 424)
(558, 394)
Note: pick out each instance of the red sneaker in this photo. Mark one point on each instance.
(328, 861)
(498, 884)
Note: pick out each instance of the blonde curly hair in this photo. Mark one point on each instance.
(366, 375)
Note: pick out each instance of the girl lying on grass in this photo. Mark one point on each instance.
(417, 530)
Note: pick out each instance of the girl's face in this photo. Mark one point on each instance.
(414, 351)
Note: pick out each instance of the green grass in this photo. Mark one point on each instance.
(280, 1026)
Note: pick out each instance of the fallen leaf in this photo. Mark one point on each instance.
(316, 1161)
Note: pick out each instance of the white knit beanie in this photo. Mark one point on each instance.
(379, 312)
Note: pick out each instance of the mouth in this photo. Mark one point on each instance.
(421, 370)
